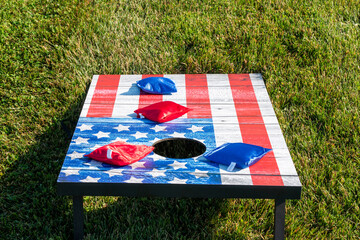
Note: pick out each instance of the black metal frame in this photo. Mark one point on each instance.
(279, 221)
(78, 217)
(78, 190)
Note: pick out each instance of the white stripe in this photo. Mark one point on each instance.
(89, 95)
(94, 81)
(222, 82)
(281, 152)
(179, 80)
(291, 181)
(218, 115)
(180, 96)
(128, 92)
(108, 153)
(256, 79)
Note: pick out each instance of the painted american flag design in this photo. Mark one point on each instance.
(226, 108)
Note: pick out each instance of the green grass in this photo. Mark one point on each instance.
(307, 51)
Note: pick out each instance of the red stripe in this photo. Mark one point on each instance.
(102, 102)
(145, 98)
(248, 111)
(197, 96)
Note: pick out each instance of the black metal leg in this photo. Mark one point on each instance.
(279, 218)
(78, 217)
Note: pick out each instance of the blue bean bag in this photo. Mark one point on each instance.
(240, 155)
(157, 85)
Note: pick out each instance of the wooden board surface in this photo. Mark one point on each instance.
(226, 107)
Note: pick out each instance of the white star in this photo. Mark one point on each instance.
(80, 140)
(134, 180)
(178, 181)
(101, 134)
(75, 155)
(137, 165)
(120, 139)
(196, 129)
(122, 128)
(114, 172)
(176, 165)
(178, 135)
(90, 179)
(94, 163)
(139, 135)
(155, 140)
(158, 128)
(199, 174)
(95, 147)
(84, 127)
(71, 172)
(157, 157)
(157, 173)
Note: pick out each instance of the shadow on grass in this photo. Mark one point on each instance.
(31, 209)
(29, 205)
(153, 218)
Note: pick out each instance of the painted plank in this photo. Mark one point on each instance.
(218, 77)
(192, 90)
(104, 91)
(127, 111)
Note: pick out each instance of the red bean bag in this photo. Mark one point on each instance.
(120, 153)
(162, 111)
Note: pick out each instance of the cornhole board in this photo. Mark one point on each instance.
(226, 108)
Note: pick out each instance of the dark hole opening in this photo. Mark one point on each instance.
(179, 148)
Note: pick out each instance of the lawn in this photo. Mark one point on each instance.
(307, 52)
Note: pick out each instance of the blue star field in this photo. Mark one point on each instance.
(91, 133)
